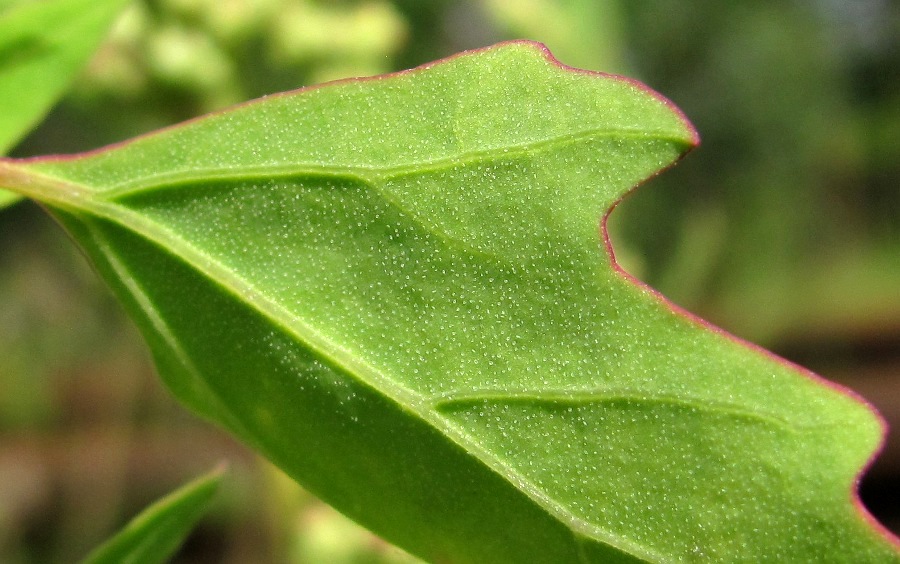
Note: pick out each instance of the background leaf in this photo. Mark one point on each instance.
(405, 277)
(155, 534)
(42, 46)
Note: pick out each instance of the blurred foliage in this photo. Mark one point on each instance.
(783, 227)
(170, 60)
(156, 533)
(797, 179)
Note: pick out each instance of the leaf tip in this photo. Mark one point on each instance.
(691, 134)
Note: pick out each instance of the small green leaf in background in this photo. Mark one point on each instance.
(157, 532)
(397, 290)
(43, 45)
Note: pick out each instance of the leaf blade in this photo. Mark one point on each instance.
(420, 285)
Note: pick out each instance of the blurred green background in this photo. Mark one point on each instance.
(783, 228)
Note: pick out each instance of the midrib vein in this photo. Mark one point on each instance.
(363, 372)
(343, 359)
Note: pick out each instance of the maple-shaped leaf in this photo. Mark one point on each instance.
(398, 291)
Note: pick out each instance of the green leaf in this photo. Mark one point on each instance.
(42, 47)
(397, 290)
(155, 534)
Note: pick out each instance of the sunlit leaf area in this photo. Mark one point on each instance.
(783, 228)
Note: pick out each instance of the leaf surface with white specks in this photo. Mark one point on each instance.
(397, 290)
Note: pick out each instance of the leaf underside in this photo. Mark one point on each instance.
(397, 290)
